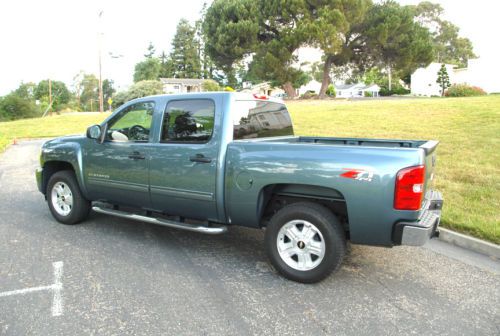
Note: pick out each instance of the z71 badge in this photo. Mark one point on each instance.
(357, 174)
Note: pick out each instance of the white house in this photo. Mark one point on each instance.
(181, 85)
(264, 88)
(357, 90)
(423, 80)
(480, 72)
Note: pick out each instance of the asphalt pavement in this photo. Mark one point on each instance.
(110, 276)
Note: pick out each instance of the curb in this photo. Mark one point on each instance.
(470, 243)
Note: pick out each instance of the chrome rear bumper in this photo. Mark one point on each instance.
(419, 232)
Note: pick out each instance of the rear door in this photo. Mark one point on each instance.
(184, 162)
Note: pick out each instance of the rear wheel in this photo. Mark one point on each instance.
(305, 242)
(66, 202)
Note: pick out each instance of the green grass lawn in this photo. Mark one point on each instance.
(47, 127)
(468, 156)
(468, 166)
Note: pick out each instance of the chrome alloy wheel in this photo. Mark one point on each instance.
(301, 245)
(62, 198)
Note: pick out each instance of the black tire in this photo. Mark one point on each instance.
(324, 221)
(80, 207)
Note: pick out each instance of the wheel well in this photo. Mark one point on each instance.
(52, 167)
(274, 197)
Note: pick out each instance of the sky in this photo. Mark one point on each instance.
(59, 38)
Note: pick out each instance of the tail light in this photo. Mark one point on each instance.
(409, 188)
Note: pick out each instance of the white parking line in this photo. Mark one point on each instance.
(57, 301)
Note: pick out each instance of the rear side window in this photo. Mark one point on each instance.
(190, 120)
(260, 119)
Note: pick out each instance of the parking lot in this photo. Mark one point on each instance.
(122, 277)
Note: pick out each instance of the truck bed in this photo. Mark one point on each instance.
(428, 146)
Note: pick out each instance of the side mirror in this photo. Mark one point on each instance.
(94, 132)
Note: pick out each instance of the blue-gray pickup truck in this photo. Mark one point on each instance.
(206, 161)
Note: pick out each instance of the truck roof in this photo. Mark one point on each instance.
(237, 95)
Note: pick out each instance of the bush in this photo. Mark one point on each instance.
(309, 95)
(330, 91)
(13, 107)
(210, 85)
(396, 90)
(368, 94)
(464, 90)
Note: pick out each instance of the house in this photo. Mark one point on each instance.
(264, 88)
(357, 90)
(182, 85)
(481, 72)
(423, 80)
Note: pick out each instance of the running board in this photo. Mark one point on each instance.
(164, 222)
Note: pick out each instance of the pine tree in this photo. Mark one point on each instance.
(185, 57)
(151, 51)
(443, 79)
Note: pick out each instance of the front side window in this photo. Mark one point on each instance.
(132, 123)
(190, 120)
(260, 119)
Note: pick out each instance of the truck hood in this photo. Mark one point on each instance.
(64, 139)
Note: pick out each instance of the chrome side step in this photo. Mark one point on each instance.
(165, 222)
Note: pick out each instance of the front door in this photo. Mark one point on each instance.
(184, 162)
(118, 169)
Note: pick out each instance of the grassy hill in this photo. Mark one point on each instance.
(468, 156)
(468, 165)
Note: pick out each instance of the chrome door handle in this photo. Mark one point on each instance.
(136, 156)
(200, 158)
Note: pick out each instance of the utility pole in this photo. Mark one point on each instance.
(50, 96)
(101, 98)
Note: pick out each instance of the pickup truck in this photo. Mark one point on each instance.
(206, 161)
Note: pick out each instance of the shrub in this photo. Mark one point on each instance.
(330, 91)
(464, 90)
(396, 90)
(368, 94)
(13, 107)
(309, 95)
(210, 85)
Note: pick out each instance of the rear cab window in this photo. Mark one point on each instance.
(260, 119)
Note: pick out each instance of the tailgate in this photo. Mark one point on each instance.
(430, 162)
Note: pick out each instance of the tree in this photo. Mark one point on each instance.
(443, 79)
(59, 91)
(449, 46)
(13, 107)
(394, 41)
(336, 27)
(167, 66)
(149, 69)
(89, 96)
(231, 29)
(150, 51)
(185, 56)
(263, 31)
(107, 89)
(26, 91)
(144, 88)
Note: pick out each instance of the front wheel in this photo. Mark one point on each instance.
(305, 242)
(66, 202)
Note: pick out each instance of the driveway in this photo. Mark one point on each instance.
(110, 276)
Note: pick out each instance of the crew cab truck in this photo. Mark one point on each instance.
(206, 161)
